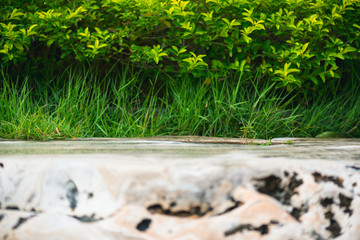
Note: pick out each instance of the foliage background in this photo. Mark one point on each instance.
(298, 44)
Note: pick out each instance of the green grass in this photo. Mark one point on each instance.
(122, 103)
(339, 113)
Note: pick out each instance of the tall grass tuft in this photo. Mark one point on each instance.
(124, 103)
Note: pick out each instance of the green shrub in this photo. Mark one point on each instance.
(298, 43)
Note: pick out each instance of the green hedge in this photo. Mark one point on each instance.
(298, 43)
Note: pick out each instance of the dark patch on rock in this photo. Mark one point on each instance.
(90, 195)
(326, 202)
(294, 183)
(354, 167)
(272, 186)
(282, 190)
(345, 202)
(1, 165)
(173, 204)
(12, 208)
(72, 194)
(87, 219)
(298, 212)
(334, 227)
(324, 178)
(263, 229)
(21, 221)
(274, 222)
(317, 236)
(1, 217)
(155, 208)
(192, 211)
(144, 224)
(235, 205)
(239, 228)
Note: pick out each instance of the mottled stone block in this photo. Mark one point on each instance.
(153, 190)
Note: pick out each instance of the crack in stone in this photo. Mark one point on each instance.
(12, 208)
(72, 194)
(229, 209)
(87, 219)
(21, 221)
(263, 229)
(31, 198)
(354, 167)
(193, 210)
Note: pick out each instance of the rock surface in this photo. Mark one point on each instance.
(154, 189)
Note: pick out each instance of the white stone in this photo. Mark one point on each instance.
(177, 191)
